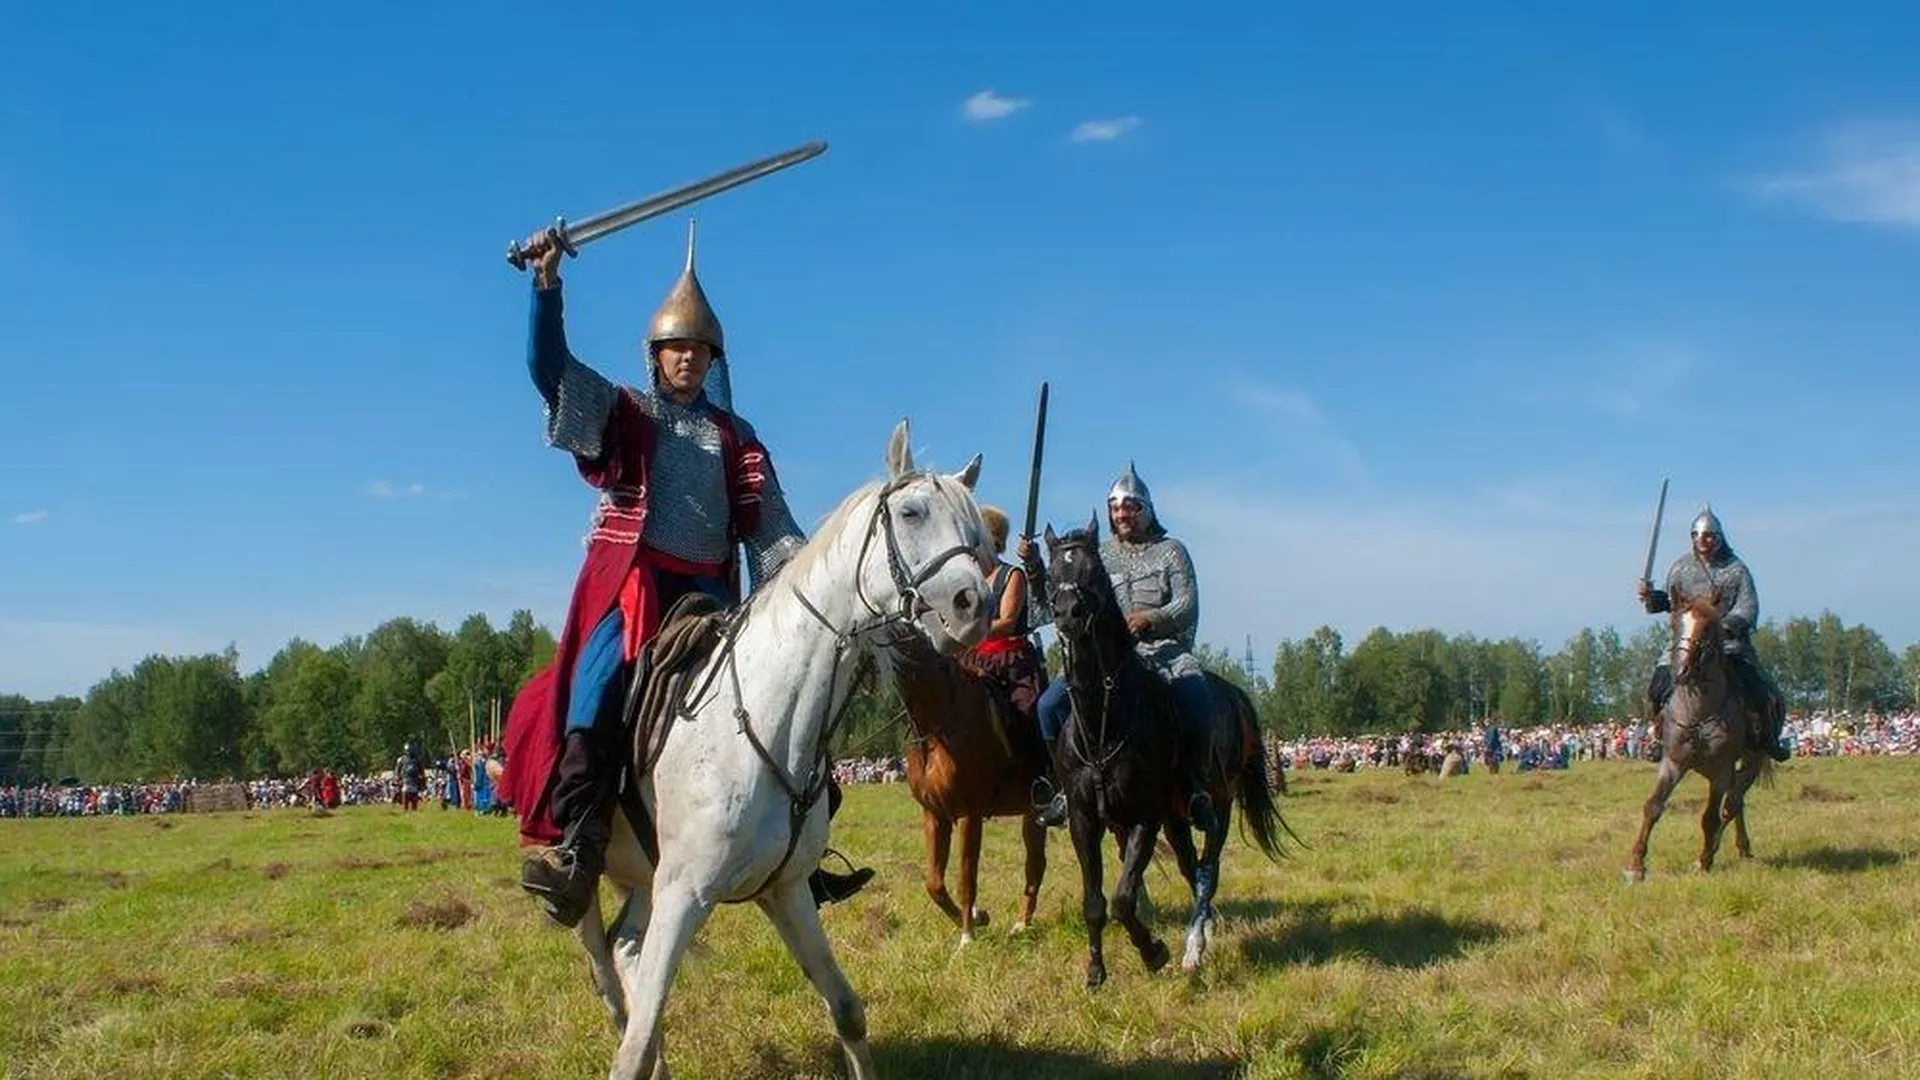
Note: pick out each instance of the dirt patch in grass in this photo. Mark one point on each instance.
(274, 871)
(1816, 793)
(418, 858)
(1373, 795)
(162, 824)
(113, 879)
(218, 865)
(243, 986)
(366, 1029)
(446, 914)
(246, 935)
(1535, 784)
(46, 905)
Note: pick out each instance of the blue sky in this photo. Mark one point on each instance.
(1404, 312)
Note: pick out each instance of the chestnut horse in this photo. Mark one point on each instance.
(1706, 732)
(970, 759)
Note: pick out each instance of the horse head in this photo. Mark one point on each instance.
(931, 562)
(1078, 588)
(1697, 635)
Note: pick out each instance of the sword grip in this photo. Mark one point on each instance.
(519, 256)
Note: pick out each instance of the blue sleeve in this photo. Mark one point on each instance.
(547, 353)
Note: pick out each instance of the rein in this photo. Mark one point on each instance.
(802, 796)
(1101, 754)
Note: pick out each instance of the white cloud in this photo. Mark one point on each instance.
(1625, 379)
(1866, 174)
(987, 105)
(387, 489)
(1104, 130)
(31, 517)
(1298, 423)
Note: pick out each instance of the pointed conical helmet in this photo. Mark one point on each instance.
(1130, 486)
(1705, 522)
(685, 314)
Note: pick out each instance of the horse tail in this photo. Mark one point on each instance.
(1259, 810)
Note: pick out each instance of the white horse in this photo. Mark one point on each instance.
(736, 792)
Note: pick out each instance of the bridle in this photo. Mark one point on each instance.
(803, 795)
(1094, 601)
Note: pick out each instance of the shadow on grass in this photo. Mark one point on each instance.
(1320, 933)
(1836, 860)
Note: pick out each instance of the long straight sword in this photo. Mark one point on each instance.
(1653, 542)
(571, 235)
(1033, 472)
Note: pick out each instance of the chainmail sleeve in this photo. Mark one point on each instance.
(1744, 611)
(777, 536)
(578, 399)
(1179, 617)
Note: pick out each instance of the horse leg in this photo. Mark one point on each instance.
(1180, 839)
(677, 917)
(1656, 805)
(939, 833)
(791, 908)
(1087, 836)
(970, 915)
(1034, 836)
(593, 937)
(1737, 806)
(1206, 880)
(1126, 894)
(1711, 822)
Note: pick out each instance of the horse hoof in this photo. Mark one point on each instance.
(1633, 877)
(1096, 976)
(965, 940)
(980, 917)
(1155, 955)
(1019, 927)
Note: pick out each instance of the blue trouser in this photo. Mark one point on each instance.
(589, 756)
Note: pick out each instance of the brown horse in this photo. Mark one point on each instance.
(970, 759)
(1706, 731)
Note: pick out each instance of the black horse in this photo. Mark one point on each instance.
(1117, 759)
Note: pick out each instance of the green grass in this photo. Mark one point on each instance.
(1466, 928)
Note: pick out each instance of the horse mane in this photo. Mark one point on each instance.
(831, 526)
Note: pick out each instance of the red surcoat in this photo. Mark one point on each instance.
(616, 558)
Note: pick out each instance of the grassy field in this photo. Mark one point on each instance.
(1475, 927)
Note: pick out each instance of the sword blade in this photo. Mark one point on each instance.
(585, 231)
(1653, 542)
(590, 229)
(1033, 472)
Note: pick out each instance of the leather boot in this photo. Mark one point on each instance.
(565, 878)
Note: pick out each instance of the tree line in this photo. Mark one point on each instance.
(1427, 681)
(351, 707)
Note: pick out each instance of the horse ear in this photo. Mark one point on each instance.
(1093, 526)
(1052, 540)
(899, 452)
(969, 475)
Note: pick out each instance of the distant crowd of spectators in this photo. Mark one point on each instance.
(1558, 746)
(462, 781)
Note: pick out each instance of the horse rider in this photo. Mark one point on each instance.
(684, 484)
(1712, 569)
(1007, 656)
(1153, 580)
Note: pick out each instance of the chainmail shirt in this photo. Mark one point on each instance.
(1156, 578)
